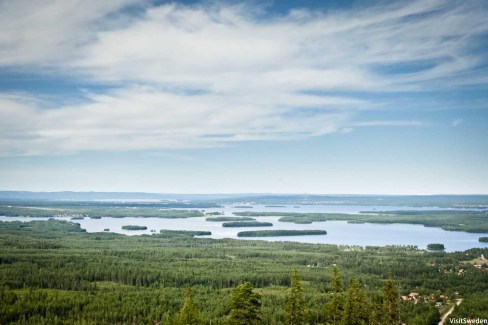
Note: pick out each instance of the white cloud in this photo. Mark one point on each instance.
(193, 76)
(140, 118)
(224, 47)
(50, 33)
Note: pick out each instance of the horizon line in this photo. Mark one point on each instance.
(243, 193)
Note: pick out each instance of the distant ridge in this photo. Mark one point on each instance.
(441, 201)
(72, 195)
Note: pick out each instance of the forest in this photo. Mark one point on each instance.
(53, 272)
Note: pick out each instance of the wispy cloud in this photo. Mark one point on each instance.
(140, 118)
(49, 34)
(389, 123)
(183, 75)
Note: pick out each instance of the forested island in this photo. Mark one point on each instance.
(436, 247)
(228, 218)
(134, 227)
(277, 233)
(185, 233)
(247, 224)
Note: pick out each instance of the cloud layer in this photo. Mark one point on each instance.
(208, 75)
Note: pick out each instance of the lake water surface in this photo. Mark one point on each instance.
(338, 232)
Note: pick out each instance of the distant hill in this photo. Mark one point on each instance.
(442, 201)
(92, 196)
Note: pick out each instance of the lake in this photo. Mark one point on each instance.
(338, 232)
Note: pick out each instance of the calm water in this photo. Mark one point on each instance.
(338, 232)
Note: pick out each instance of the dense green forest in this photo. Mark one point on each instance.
(469, 221)
(53, 272)
(277, 233)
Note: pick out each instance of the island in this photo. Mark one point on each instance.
(277, 233)
(435, 247)
(219, 219)
(166, 233)
(132, 227)
(247, 224)
(214, 213)
(483, 239)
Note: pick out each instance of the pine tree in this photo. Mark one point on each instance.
(356, 309)
(189, 314)
(376, 311)
(295, 307)
(391, 311)
(245, 306)
(335, 284)
(335, 306)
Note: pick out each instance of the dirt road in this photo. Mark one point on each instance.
(444, 318)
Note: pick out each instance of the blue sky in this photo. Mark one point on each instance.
(331, 97)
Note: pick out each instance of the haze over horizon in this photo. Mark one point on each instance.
(342, 97)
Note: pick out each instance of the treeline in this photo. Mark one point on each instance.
(53, 272)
